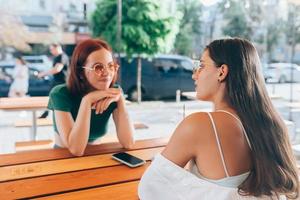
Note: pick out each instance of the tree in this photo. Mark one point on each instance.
(293, 28)
(13, 33)
(144, 31)
(190, 26)
(236, 17)
(273, 35)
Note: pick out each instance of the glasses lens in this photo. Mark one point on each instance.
(111, 67)
(98, 68)
(196, 65)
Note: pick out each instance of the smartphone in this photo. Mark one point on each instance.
(128, 159)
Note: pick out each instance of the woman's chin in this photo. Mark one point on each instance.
(102, 86)
(200, 97)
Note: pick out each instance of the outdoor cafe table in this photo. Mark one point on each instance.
(25, 103)
(192, 95)
(56, 174)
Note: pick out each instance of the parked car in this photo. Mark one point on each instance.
(281, 72)
(161, 76)
(37, 86)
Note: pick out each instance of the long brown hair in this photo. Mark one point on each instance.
(274, 168)
(77, 82)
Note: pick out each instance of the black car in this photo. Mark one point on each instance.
(37, 86)
(161, 76)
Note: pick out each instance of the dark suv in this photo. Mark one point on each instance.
(161, 76)
(37, 86)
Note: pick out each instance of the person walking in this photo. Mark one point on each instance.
(59, 69)
(20, 84)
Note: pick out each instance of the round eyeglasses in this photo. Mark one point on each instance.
(98, 68)
(196, 65)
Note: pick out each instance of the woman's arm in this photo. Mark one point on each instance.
(123, 124)
(74, 135)
(186, 139)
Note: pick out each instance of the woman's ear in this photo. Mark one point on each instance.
(223, 72)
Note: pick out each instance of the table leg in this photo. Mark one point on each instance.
(34, 126)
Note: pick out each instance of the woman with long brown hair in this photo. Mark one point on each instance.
(240, 150)
(83, 106)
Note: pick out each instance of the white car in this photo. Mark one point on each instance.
(281, 72)
(40, 62)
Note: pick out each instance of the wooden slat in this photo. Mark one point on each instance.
(39, 122)
(33, 145)
(123, 191)
(24, 103)
(67, 165)
(61, 153)
(34, 187)
(49, 122)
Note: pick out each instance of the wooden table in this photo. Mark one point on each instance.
(189, 95)
(295, 105)
(192, 95)
(56, 174)
(25, 103)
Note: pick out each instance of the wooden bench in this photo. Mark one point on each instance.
(33, 145)
(39, 122)
(49, 122)
(63, 153)
(122, 191)
(25, 103)
(53, 174)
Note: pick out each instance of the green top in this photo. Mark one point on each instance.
(61, 99)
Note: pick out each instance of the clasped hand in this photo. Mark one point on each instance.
(101, 99)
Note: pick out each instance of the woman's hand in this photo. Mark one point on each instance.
(100, 100)
(103, 104)
(98, 95)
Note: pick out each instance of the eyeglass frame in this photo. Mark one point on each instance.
(196, 66)
(115, 67)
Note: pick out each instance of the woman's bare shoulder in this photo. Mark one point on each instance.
(188, 135)
(194, 126)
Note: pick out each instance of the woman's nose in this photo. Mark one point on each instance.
(194, 76)
(105, 71)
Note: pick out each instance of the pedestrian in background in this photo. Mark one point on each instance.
(59, 68)
(19, 86)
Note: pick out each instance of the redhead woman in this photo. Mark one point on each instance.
(83, 106)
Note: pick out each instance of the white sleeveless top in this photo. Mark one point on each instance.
(164, 180)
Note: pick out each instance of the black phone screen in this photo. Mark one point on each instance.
(128, 158)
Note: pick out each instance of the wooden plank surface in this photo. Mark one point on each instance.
(123, 191)
(23, 103)
(39, 122)
(62, 153)
(33, 145)
(49, 122)
(15, 172)
(189, 95)
(33, 187)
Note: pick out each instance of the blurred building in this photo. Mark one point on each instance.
(61, 21)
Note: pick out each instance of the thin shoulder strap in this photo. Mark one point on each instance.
(244, 131)
(218, 143)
